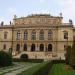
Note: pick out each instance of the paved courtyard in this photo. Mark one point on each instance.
(18, 67)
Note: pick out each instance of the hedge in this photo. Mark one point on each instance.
(40, 69)
(28, 60)
(5, 59)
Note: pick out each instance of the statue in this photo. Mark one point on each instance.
(60, 14)
(10, 22)
(70, 21)
(2, 23)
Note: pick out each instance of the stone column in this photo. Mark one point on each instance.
(21, 40)
(29, 47)
(37, 47)
(44, 47)
(29, 34)
(37, 34)
(46, 34)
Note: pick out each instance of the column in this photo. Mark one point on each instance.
(37, 34)
(21, 41)
(46, 34)
(29, 34)
(29, 47)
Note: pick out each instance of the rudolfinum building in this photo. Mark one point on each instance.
(41, 36)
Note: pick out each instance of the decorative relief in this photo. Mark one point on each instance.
(37, 20)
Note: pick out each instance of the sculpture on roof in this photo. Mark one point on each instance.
(2, 23)
(70, 21)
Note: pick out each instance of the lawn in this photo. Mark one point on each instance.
(16, 68)
(39, 69)
(61, 69)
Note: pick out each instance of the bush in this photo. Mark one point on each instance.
(67, 56)
(72, 55)
(44, 68)
(5, 59)
(40, 69)
(24, 56)
(28, 60)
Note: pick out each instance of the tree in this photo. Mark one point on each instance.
(72, 55)
(67, 56)
(5, 59)
(10, 51)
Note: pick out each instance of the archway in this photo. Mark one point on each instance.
(25, 47)
(49, 47)
(18, 47)
(33, 47)
(41, 47)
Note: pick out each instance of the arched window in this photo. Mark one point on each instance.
(18, 47)
(18, 35)
(41, 37)
(33, 35)
(25, 35)
(50, 35)
(49, 47)
(25, 47)
(4, 46)
(65, 35)
(41, 47)
(33, 47)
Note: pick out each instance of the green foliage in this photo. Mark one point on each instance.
(61, 69)
(24, 56)
(67, 56)
(72, 56)
(10, 51)
(40, 69)
(28, 60)
(5, 59)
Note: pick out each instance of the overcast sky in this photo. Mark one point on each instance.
(8, 8)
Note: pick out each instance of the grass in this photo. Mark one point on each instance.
(61, 69)
(36, 70)
(15, 67)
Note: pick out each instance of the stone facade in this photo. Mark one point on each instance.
(41, 36)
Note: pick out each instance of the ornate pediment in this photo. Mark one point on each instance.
(37, 20)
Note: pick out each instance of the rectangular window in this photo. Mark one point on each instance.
(41, 37)
(5, 35)
(65, 35)
(25, 36)
(18, 35)
(33, 37)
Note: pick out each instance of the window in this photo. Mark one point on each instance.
(25, 35)
(33, 35)
(4, 46)
(65, 35)
(50, 35)
(65, 46)
(41, 37)
(18, 35)
(18, 47)
(5, 35)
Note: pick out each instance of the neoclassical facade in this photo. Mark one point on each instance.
(41, 36)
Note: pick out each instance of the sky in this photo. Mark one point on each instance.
(21, 8)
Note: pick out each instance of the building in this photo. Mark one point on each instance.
(41, 36)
